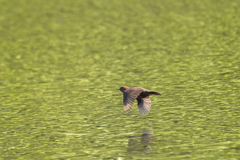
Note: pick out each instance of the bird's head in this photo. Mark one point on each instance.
(123, 88)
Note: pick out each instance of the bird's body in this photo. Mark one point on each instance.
(142, 96)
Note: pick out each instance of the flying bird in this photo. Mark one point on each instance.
(142, 96)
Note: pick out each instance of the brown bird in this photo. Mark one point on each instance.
(142, 96)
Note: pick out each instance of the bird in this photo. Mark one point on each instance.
(142, 96)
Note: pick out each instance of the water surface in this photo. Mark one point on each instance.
(62, 61)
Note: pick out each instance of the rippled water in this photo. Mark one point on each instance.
(62, 61)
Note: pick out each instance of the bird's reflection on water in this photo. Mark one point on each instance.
(141, 142)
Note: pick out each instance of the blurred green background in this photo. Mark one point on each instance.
(62, 61)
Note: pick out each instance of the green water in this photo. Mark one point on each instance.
(62, 61)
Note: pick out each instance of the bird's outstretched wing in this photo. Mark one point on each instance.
(129, 96)
(144, 105)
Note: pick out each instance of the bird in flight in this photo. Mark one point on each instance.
(142, 96)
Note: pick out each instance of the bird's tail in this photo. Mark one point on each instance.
(156, 93)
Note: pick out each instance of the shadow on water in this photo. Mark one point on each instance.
(141, 142)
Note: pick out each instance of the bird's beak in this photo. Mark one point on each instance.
(118, 89)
